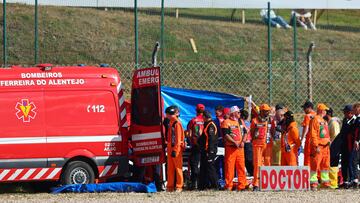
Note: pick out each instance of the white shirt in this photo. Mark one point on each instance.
(264, 13)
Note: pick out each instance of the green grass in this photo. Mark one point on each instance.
(84, 35)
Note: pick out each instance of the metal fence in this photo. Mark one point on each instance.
(65, 35)
(335, 83)
(231, 57)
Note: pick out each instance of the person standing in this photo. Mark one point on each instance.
(320, 148)
(208, 147)
(334, 124)
(347, 146)
(245, 126)
(219, 113)
(175, 147)
(220, 159)
(355, 129)
(259, 131)
(276, 130)
(195, 128)
(290, 141)
(234, 150)
(308, 108)
(268, 159)
(334, 130)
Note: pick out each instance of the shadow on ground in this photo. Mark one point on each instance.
(28, 187)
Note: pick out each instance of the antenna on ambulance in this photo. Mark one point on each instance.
(154, 54)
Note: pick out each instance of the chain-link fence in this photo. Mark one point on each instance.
(68, 35)
(231, 56)
(335, 83)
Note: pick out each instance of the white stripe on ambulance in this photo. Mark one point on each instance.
(146, 136)
(28, 174)
(53, 173)
(104, 172)
(62, 139)
(42, 172)
(4, 173)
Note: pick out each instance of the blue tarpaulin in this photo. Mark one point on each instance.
(107, 187)
(187, 100)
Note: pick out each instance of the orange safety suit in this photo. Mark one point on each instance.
(306, 123)
(269, 145)
(175, 146)
(234, 156)
(319, 160)
(258, 131)
(290, 143)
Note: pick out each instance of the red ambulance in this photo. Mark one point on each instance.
(62, 123)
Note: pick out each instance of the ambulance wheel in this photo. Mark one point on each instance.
(78, 172)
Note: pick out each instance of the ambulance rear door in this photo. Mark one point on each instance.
(146, 117)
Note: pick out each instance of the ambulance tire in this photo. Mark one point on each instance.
(77, 172)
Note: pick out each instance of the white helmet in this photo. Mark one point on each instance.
(234, 109)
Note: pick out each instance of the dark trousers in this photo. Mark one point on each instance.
(355, 163)
(248, 149)
(194, 166)
(208, 175)
(346, 166)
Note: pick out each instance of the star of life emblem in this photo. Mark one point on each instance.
(25, 110)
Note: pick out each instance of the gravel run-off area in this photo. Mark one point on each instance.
(328, 196)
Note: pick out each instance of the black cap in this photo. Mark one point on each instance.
(347, 108)
(289, 114)
(307, 104)
(219, 108)
(279, 106)
(207, 114)
(171, 110)
(330, 112)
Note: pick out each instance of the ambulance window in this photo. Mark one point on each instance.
(145, 106)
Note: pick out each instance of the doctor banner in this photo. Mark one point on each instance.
(284, 178)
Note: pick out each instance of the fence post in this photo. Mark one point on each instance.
(36, 42)
(243, 16)
(269, 56)
(295, 61)
(136, 35)
(309, 71)
(154, 55)
(162, 32)
(4, 35)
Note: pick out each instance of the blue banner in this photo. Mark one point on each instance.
(106, 187)
(187, 100)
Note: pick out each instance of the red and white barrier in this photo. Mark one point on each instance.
(25, 174)
(108, 170)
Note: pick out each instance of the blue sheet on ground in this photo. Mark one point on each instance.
(186, 100)
(107, 187)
